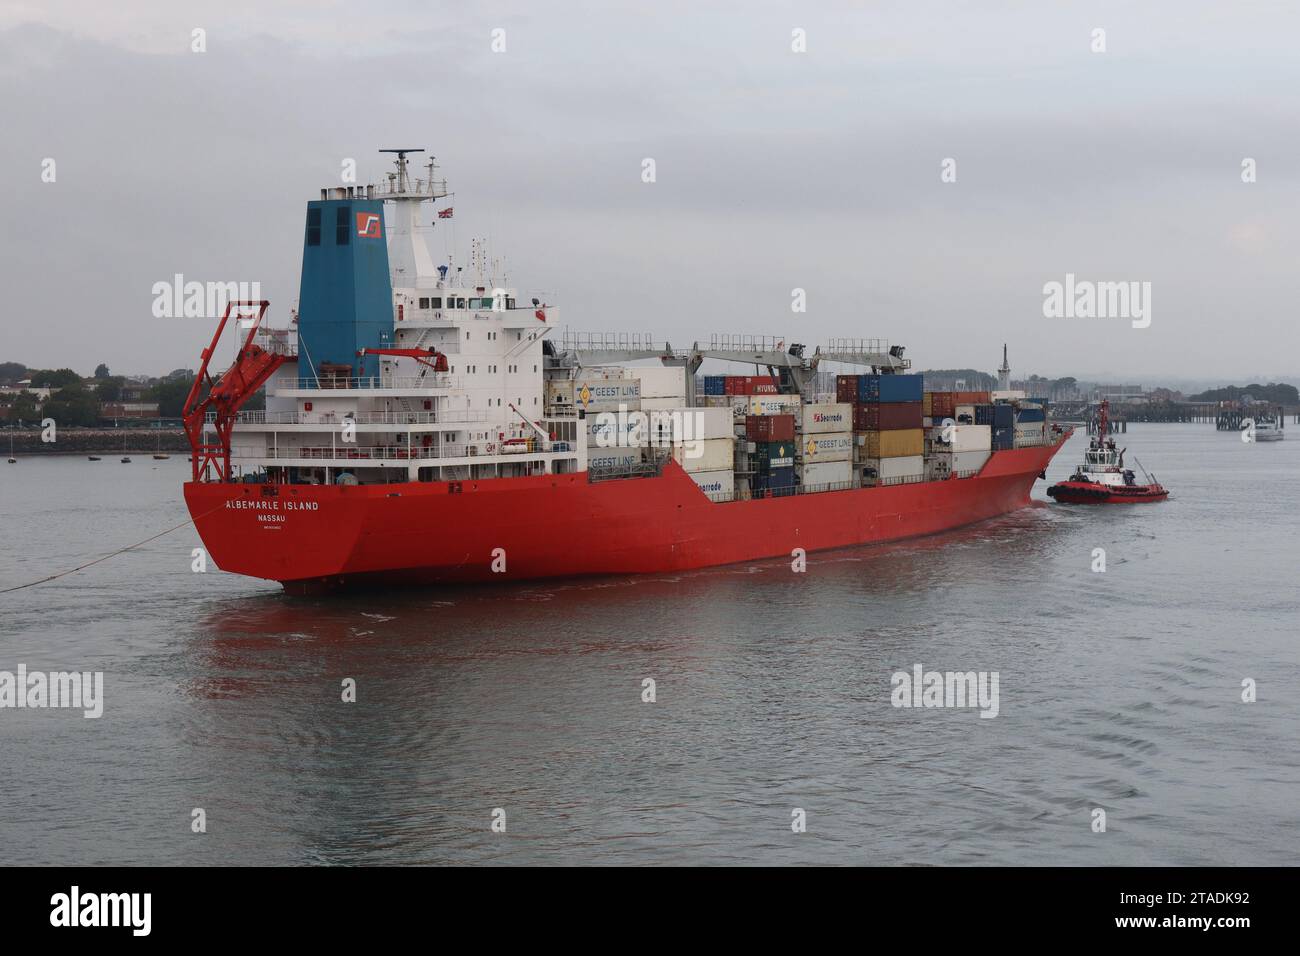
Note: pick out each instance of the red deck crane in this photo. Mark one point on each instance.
(253, 366)
(423, 356)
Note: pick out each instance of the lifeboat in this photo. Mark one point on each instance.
(1102, 479)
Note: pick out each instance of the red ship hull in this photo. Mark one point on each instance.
(1089, 493)
(315, 537)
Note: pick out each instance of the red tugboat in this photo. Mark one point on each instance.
(1102, 479)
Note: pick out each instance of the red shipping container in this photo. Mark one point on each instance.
(943, 404)
(769, 427)
(760, 385)
(971, 398)
(887, 416)
(846, 388)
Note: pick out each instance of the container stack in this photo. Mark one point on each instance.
(1031, 422)
(888, 419)
(662, 387)
(772, 459)
(825, 446)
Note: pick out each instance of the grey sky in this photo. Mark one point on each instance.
(775, 170)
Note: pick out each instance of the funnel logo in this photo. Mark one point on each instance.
(368, 225)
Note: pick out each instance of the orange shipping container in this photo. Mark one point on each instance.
(900, 443)
(971, 398)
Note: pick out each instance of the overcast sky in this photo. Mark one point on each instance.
(775, 169)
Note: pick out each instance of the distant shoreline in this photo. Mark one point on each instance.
(96, 441)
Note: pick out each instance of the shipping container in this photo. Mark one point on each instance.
(715, 385)
(716, 483)
(965, 415)
(599, 395)
(826, 447)
(972, 398)
(942, 404)
(886, 416)
(766, 404)
(665, 381)
(715, 454)
(901, 443)
(660, 404)
(927, 404)
(880, 469)
(890, 388)
(968, 461)
(1004, 437)
(1003, 415)
(836, 417)
(683, 424)
(769, 456)
(613, 459)
(750, 385)
(984, 414)
(816, 474)
(966, 437)
(776, 483)
(846, 388)
(1025, 414)
(769, 428)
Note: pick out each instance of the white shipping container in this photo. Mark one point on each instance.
(826, 447)
(659, 404)
(662, 382)
(822, 419)
(607, 394)
(716, 482)
(965, 410)
(683, 424)
(712, 455)
(912, 466)
(613, 458)
(826, 473)
(764, 404)
(964, 461)
(969, 437)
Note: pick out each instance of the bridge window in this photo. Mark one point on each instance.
(424, 303)
(436, 302)
(341, 230)
(460, 303)
(313, 226)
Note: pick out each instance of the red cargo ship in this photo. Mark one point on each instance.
(421, 427)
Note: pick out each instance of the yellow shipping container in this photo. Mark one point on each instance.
(899, 443)
(927, 403)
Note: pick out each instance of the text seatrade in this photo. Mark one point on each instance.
(271, 504)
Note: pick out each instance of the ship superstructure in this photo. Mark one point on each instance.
(422, 417)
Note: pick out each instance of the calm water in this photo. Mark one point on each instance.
(1118, 690)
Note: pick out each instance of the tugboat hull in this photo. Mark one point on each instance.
(1089, 493)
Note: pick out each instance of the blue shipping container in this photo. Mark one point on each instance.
(1004, 438)
(1003, 415)
(890, 388)
(715, 385)
(1030, 415)
(775, 481)
(983, 414)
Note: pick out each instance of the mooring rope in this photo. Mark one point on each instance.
(129, 547)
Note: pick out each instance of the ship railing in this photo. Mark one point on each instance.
(349, 452)
(399, 382)
(361, 418)
(575, 341)
(743, 342)
(277, 341)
